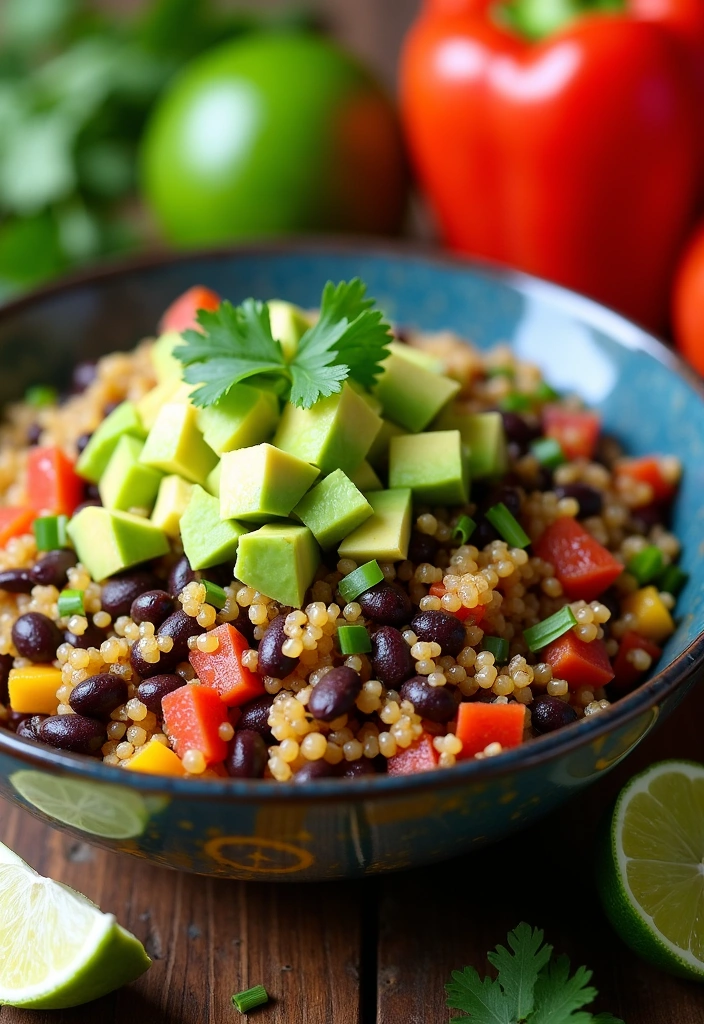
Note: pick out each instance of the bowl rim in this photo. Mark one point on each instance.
(540, 750)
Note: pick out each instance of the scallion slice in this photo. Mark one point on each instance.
(672, 579)
(548, 451)
(508, 526)
(214, 594)
(354, 639)
(251, 997)
(516, 401)
(356, 582)
(549, 629)
(545, 393)
(464, 529)
(40, 396)
(646, 564)
(70, 603)
(501, 371)
(50, 532)
(498, 647)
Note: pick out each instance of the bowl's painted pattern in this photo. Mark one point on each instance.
(335, 828)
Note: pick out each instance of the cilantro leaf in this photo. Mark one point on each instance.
(483, 1000)
(606, 1018)
(557, 996)
(518, 971)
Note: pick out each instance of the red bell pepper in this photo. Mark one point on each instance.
(577, 430)
(626, 675)
(192, 717)
(584, 567)
(546, 155)
(477, 613)
(648, 470)
(14, 522)
(223, 669)
(53, 486)
(480, 724)
(181, 314)
(688, 301)
(580, 663)
(421, 756)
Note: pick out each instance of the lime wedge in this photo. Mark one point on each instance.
(110, 811)
(56, 948)
(651, 876)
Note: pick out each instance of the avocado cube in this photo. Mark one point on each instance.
(335, 433)
(288, 325)
(126, 483)
(207, 539)
(107, 541)
(262, 483)
(483, 433)
(166, 365)
(417, 356)
(279, 560)
(244, 417)
(174, 494)
(385, 535)
(212, 482)
(411, 395)
(433, 465)
(365, 478)
(175, 445)
(149, 405)
(378, 454)
(332, 509)
(125, 419)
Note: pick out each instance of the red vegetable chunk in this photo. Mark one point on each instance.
(480, 724)
(580, 663)
(181, 314)
(192, 717)
(583, 566)
(53, 486)
(476, 614)
(223, 669)
(14, 522)
(576, 430)
(647, 470)
(627, 676)
(421, 756)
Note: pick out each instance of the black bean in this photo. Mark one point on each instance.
(52, 568)
(73, 732)
(438, 703)
(386, 603)
(82, 443)
(28, 728)
(152, 691)
(391, 656)
(98, 696)
(180, 627)
(272, 662)
(313, 770)
(92, 637)
(611, 600)
(36, 637)
(422, 548)
(152, 606)
(551, 713)
(255, 715)
(83, 375)
(246, 756)
(5, 666)
(120, 591)
(181, 575)
(335, 694)
(484, 533)
(589, 499)
(506, 495)
(16, 581)
(34, 433)
(519, 430)
(440, 628)
(357, 769)
(92, 493)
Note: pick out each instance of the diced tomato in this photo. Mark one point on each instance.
(580, 663)
(583, 566)
(192, 717)
(476, 614)
(181, 314)
(479, 724)
(14, 522)
(577, 430)
(627, 676)
(223, 669)
(421, 756)
(53, 486)
(647, 470)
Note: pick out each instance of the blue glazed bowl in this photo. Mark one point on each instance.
(341, 828)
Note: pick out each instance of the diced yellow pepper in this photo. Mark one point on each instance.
(33, 689)
(653, 620)
(156, 759)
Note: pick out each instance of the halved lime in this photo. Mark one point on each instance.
(56, 948)
(651, 876)
(99, 809)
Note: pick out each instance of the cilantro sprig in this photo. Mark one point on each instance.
(532, 987)
(235, 343)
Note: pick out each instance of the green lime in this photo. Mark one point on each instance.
(651, 876)
(113, 812)
(56, 948)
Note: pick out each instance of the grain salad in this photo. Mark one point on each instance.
(284, 545)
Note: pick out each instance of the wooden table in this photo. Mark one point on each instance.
(376, 952)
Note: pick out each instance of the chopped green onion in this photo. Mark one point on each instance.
(646, 564)
(498, 647)
(548, 451)
(464, 529)
(40, 396)
(50, 532)
(508, 526)
(214, 594)
(355, 583)
(549, 629)
(251, 997)
(516, 402)
(501, 371)
(672, 579)
(545, 393)
(354, 639)
(71, 603)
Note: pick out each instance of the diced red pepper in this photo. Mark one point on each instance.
(627, 676)
(476, 613)
(580, 663)
(480, 724)
(577, 430)
(181, 314)
(583, 566)
(647, 470)
(192, 717)
(421, 756)
(14, 522)
(53, 486)
(223, 669)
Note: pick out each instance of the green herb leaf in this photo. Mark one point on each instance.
(558, 997)
(483, 1000)
(518, 971)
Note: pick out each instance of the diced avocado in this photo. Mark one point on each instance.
(365, 478)
(371, 400)
(244, 417)
(484, 435)
(278, 560)
(378, 454)
(207, 539)
(433, 465)
(166, 365)
(107, 541)
(175, 445)
(149, 405)
(212, 483)
(95, 456)
(332, 509)
(335, 433)
(412, 396)
(126, 482)
(385, 535)
(174, 494)
(262, 483)
(417, 356)
(288, 325)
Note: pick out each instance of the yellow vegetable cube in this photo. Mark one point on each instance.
(33, 689)
(156, 759)
(653, 620)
